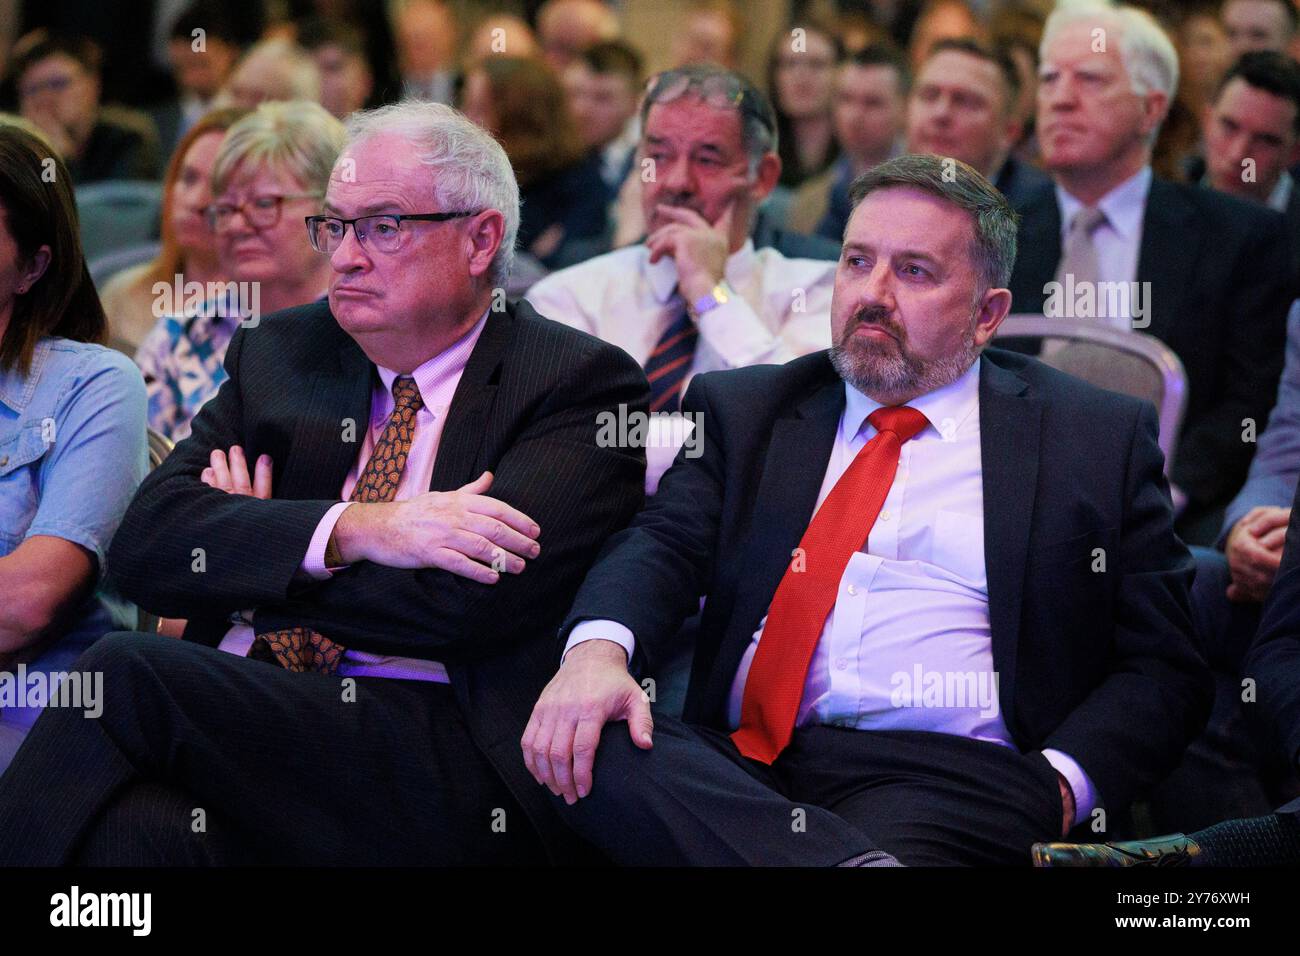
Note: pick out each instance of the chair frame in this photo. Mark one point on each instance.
(1174, 404)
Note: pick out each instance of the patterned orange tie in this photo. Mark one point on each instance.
(805, 596)
(300, 648)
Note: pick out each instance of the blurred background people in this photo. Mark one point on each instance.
(563, 197)
(801, 85)
(272, 71)
(269, 173)
(942, 20)
(58, 85)
(565, 28)
(188, 243)
(500, 35)
(870, 107)
(71, 412)
(202, 49)
(709, 32)
(603, 87)
(1259, 24)
(346, 81)
(426, 37)
(963, 105)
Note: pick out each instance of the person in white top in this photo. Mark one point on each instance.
(707, 159)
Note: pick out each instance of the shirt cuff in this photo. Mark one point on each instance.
(313, 564)
(1085, 794)
(600, 631)
(735, 332)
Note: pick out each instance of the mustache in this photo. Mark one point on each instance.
(878, 316)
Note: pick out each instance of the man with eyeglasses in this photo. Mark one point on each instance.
(696, 295)
(58, 84)
(374, 530)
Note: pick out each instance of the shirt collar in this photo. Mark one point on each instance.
(945, 408)
(1124, 205)
(439, 371)
(662, 275)
(16, 389)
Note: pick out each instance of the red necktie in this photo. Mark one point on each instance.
(807, 591)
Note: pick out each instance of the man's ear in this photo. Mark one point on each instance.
(1156, 106)
(766, 177)
(484, 236)
(993, 308)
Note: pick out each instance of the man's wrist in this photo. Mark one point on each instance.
(595, 649)
(350, 541)
(701, 286)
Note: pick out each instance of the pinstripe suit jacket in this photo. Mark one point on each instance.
(299, 390)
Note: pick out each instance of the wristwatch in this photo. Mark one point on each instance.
(705, 303)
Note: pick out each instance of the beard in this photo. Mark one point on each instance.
(879, 367)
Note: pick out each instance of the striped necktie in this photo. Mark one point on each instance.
(670, 362)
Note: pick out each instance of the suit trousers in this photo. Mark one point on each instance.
(203, 757)
(833, 794)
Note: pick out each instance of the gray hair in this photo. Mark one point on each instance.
(758, 130)
(469, 168)
(298, 138)
(1148, 54)
(994, 249)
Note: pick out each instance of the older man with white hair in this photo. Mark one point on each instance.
(1109, 242)
(374, 530)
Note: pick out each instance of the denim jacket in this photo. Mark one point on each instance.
(72, 453)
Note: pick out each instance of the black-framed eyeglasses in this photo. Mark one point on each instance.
(260, 212)
(383, 233)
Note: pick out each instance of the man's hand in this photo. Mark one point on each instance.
(591, 688)
(700, 250)
(1068, 808)
(462, 531)
(1254, 551)
(229, 473)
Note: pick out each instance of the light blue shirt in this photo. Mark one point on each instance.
(73, 451)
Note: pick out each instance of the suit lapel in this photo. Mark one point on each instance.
(1039, 250)
(1010, 423)
(332, 425)
(468, 417)
(793, 470)
(1167, 226)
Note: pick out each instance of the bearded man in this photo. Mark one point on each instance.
(945, 611)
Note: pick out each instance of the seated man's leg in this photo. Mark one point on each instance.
(1219, 777)
(930, 799)
(149, 824)
(309, 768)
(694, 800)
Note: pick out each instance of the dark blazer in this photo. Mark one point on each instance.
(1274, 659)
(526, 409)
(1018, 180)
(1098, 665)
(1220, 288)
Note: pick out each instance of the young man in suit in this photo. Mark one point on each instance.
(1207, 274)
(945, 606)
(426, 492)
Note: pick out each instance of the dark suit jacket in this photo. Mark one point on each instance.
(1274, 660)
(1220, 288)
(525, 409)
(1018, 180)
(1098, 665)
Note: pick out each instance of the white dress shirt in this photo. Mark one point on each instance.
(1119, 241)
(912, 610)
(437, 380)
(781, 310)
